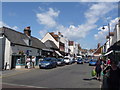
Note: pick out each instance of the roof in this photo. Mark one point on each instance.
(50, 44)
(98, 51)
(18, 38)
(55, 36)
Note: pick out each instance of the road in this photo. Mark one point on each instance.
(68, 76)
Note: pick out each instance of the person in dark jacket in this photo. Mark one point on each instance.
(113, 76)
(98, 68)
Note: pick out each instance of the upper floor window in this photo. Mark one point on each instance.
(30, 42)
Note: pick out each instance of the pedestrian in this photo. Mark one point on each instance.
(93, 73)
(28, 62)
(28, 65)
(108, 62)
(113, 76)
(33, 61)
(98, 68)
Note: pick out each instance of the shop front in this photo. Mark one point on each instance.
(18, 61)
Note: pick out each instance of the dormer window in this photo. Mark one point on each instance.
(30, 42)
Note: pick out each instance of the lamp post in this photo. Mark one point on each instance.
(108, 32)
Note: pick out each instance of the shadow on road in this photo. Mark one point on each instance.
(89, 79)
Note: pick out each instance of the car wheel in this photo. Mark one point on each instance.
(39, 67)
(55, 66)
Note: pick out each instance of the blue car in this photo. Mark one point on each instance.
(79, 61)
(60, 62)
(92, 62)
(48, 63)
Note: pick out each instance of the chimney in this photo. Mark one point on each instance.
(52, 33)
(27, 31)
(111, 33)
(98, 45)
(59, 33)
(107, 37)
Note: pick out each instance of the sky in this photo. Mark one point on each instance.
(81, 22)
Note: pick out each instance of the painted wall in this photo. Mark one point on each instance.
(7, 56)
(118, 33)
(49, 37)
(65, 41)
(2, 48)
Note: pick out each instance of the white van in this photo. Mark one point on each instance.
(67, 60)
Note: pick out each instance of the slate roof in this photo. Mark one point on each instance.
(50, 44)
(18, 38)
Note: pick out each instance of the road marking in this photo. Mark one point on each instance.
(8, 75)
(23, 85)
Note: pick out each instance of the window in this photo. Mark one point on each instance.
(30, 42)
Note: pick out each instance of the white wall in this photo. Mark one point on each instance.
(116, 36)
(49, 37)
(7, 56)
(107, 45)
(65, 41)
(72, 49)
(118, 32)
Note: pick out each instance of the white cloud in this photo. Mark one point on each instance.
(94, 13)
(101, 35)
(43, 32)
(4, 24)
(48, 18)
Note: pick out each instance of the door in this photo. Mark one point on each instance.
(13, 63)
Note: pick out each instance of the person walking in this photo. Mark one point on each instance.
(98, 68)
(113, 76)
(108, 62)
(28, 62)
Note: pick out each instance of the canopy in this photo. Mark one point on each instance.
(58, 53)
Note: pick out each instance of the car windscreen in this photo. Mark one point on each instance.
(93, 60)
(47, 59)
(66, 58)
(59, 59)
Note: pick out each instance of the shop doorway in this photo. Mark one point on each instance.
(14, 61)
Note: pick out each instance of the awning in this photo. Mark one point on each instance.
(58, 53)
(108, 53)
(47, 50)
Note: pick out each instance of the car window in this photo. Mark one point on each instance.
(93, 60)
(66, 58)
(47, 59)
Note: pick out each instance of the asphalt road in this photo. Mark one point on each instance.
(69, 76)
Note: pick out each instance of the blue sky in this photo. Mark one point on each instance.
(78, 21)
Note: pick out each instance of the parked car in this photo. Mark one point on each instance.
(60, 62)
(80, 61)
(92, 62)
(67, 60)
(48, 63)
(86, 60)
(73, 60)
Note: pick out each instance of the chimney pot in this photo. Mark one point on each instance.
(27, 31)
